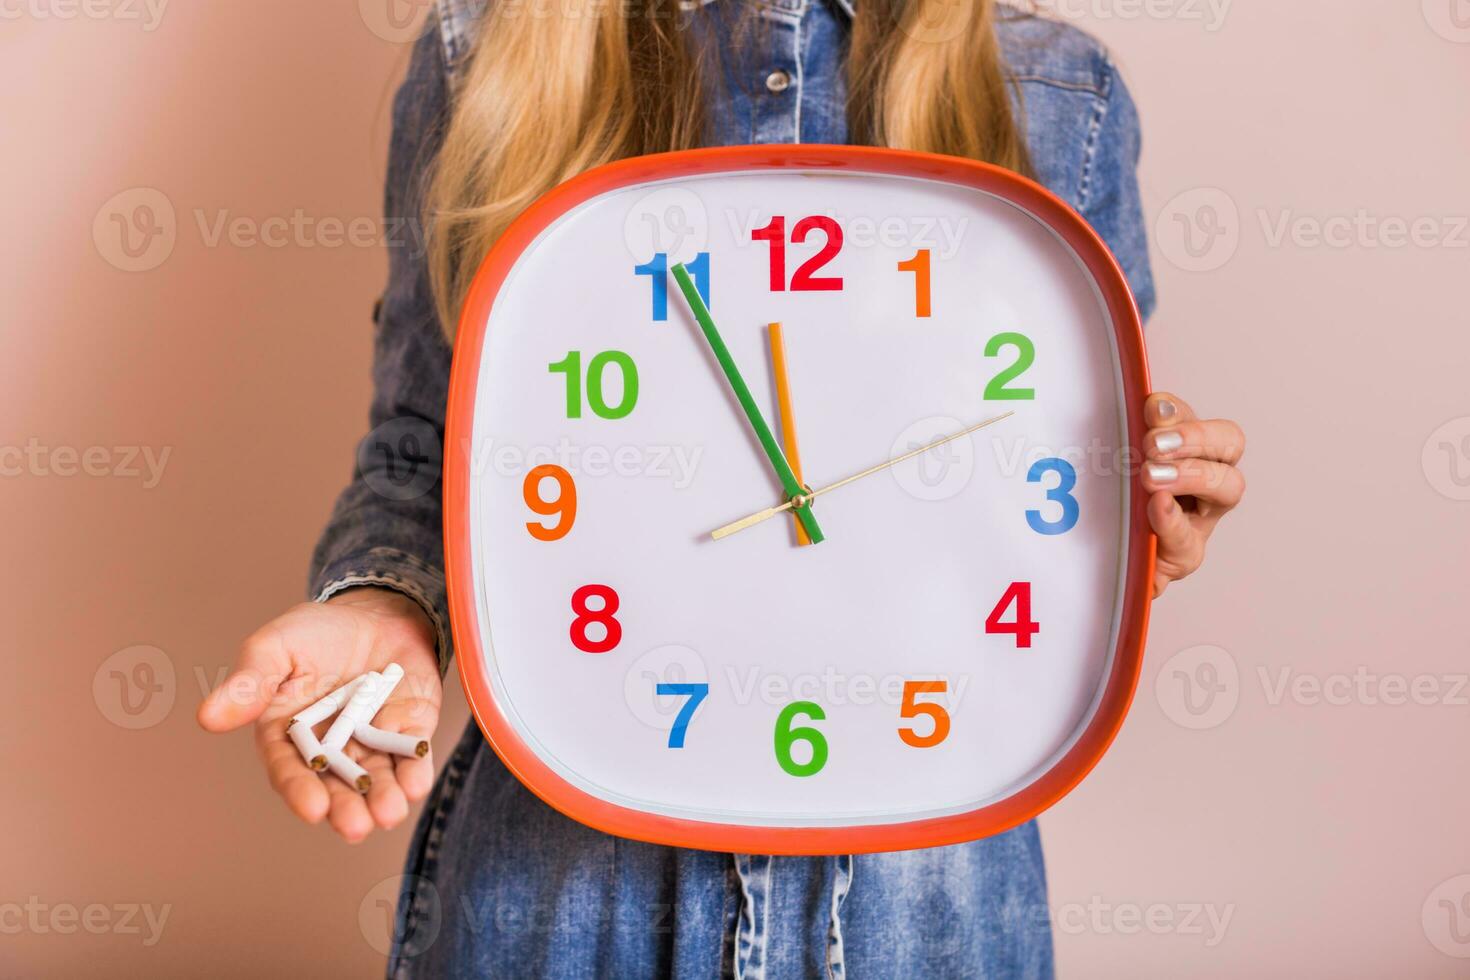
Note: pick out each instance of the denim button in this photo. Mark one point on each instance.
(778, 81)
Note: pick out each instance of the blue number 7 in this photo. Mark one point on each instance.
(657, 269)
(696, 693)
(1061, 493)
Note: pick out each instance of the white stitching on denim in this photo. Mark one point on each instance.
(800, 58)
(1094, 127)
(843, 866)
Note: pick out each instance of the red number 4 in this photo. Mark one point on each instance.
(1023, 626)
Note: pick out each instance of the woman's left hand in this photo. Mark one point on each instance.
(1190, 471)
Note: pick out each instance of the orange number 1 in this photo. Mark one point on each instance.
(919, 266)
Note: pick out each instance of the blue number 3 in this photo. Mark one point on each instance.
(696, 694)
(1061, 493)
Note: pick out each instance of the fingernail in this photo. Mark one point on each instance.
(1167, 442)
(1167, 409)
(1162, 473)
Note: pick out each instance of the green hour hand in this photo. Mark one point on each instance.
(758, 424)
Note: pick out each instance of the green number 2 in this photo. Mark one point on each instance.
(786, 736)
(1026, 353)
(571, 366)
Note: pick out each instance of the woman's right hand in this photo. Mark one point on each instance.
(305, 654)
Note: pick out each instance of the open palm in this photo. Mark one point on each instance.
(306, 653)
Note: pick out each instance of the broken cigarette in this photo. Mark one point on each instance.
(393, 743)
(350, 772)
(306, 743)
(326, 707)
(360, 708)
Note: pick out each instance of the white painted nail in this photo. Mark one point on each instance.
(1162, 473)
(1168, 441)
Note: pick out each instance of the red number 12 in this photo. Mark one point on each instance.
(803, 280)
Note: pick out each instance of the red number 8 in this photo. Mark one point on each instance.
(587, 616)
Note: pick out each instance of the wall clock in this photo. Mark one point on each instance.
(696, 600)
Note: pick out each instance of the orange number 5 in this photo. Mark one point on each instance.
(912, 709)
(564, 507)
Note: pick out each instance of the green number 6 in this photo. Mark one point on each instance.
(786, 736)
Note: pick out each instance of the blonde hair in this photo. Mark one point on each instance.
(550, 93)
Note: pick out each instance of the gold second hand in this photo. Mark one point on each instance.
(800, 499)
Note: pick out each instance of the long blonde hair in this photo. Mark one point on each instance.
(551, 93)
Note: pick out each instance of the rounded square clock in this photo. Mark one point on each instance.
(791, 499)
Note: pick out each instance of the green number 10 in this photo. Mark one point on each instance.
(571, 366)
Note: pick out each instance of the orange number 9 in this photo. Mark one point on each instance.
(563, 507)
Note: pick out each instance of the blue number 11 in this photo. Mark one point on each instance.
(657, 270)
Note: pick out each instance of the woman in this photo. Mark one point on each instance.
(498, 107)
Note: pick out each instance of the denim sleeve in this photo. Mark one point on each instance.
(387, 526)
(1110, 200)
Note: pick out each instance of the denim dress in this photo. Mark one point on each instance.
(496, 882)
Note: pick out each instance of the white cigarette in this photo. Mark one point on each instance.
(326, 707)
(387, 681)
(360, 708)
(306, 743)
(350, 772)
(393, 743)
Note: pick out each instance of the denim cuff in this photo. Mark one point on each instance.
(402, 572)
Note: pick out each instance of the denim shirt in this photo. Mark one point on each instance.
(497, 883)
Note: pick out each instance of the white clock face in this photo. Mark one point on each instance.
(949, 640)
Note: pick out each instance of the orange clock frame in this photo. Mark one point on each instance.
(622, 821)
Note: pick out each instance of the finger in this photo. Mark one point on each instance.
(1218, 484)
(1164, 408)
(1181, 547)
(418, 717)
(290, 776)
(349, 815)
(385, 800)
(262, 666)
(1218, 439)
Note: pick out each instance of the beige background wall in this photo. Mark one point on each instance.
(1305, 816)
